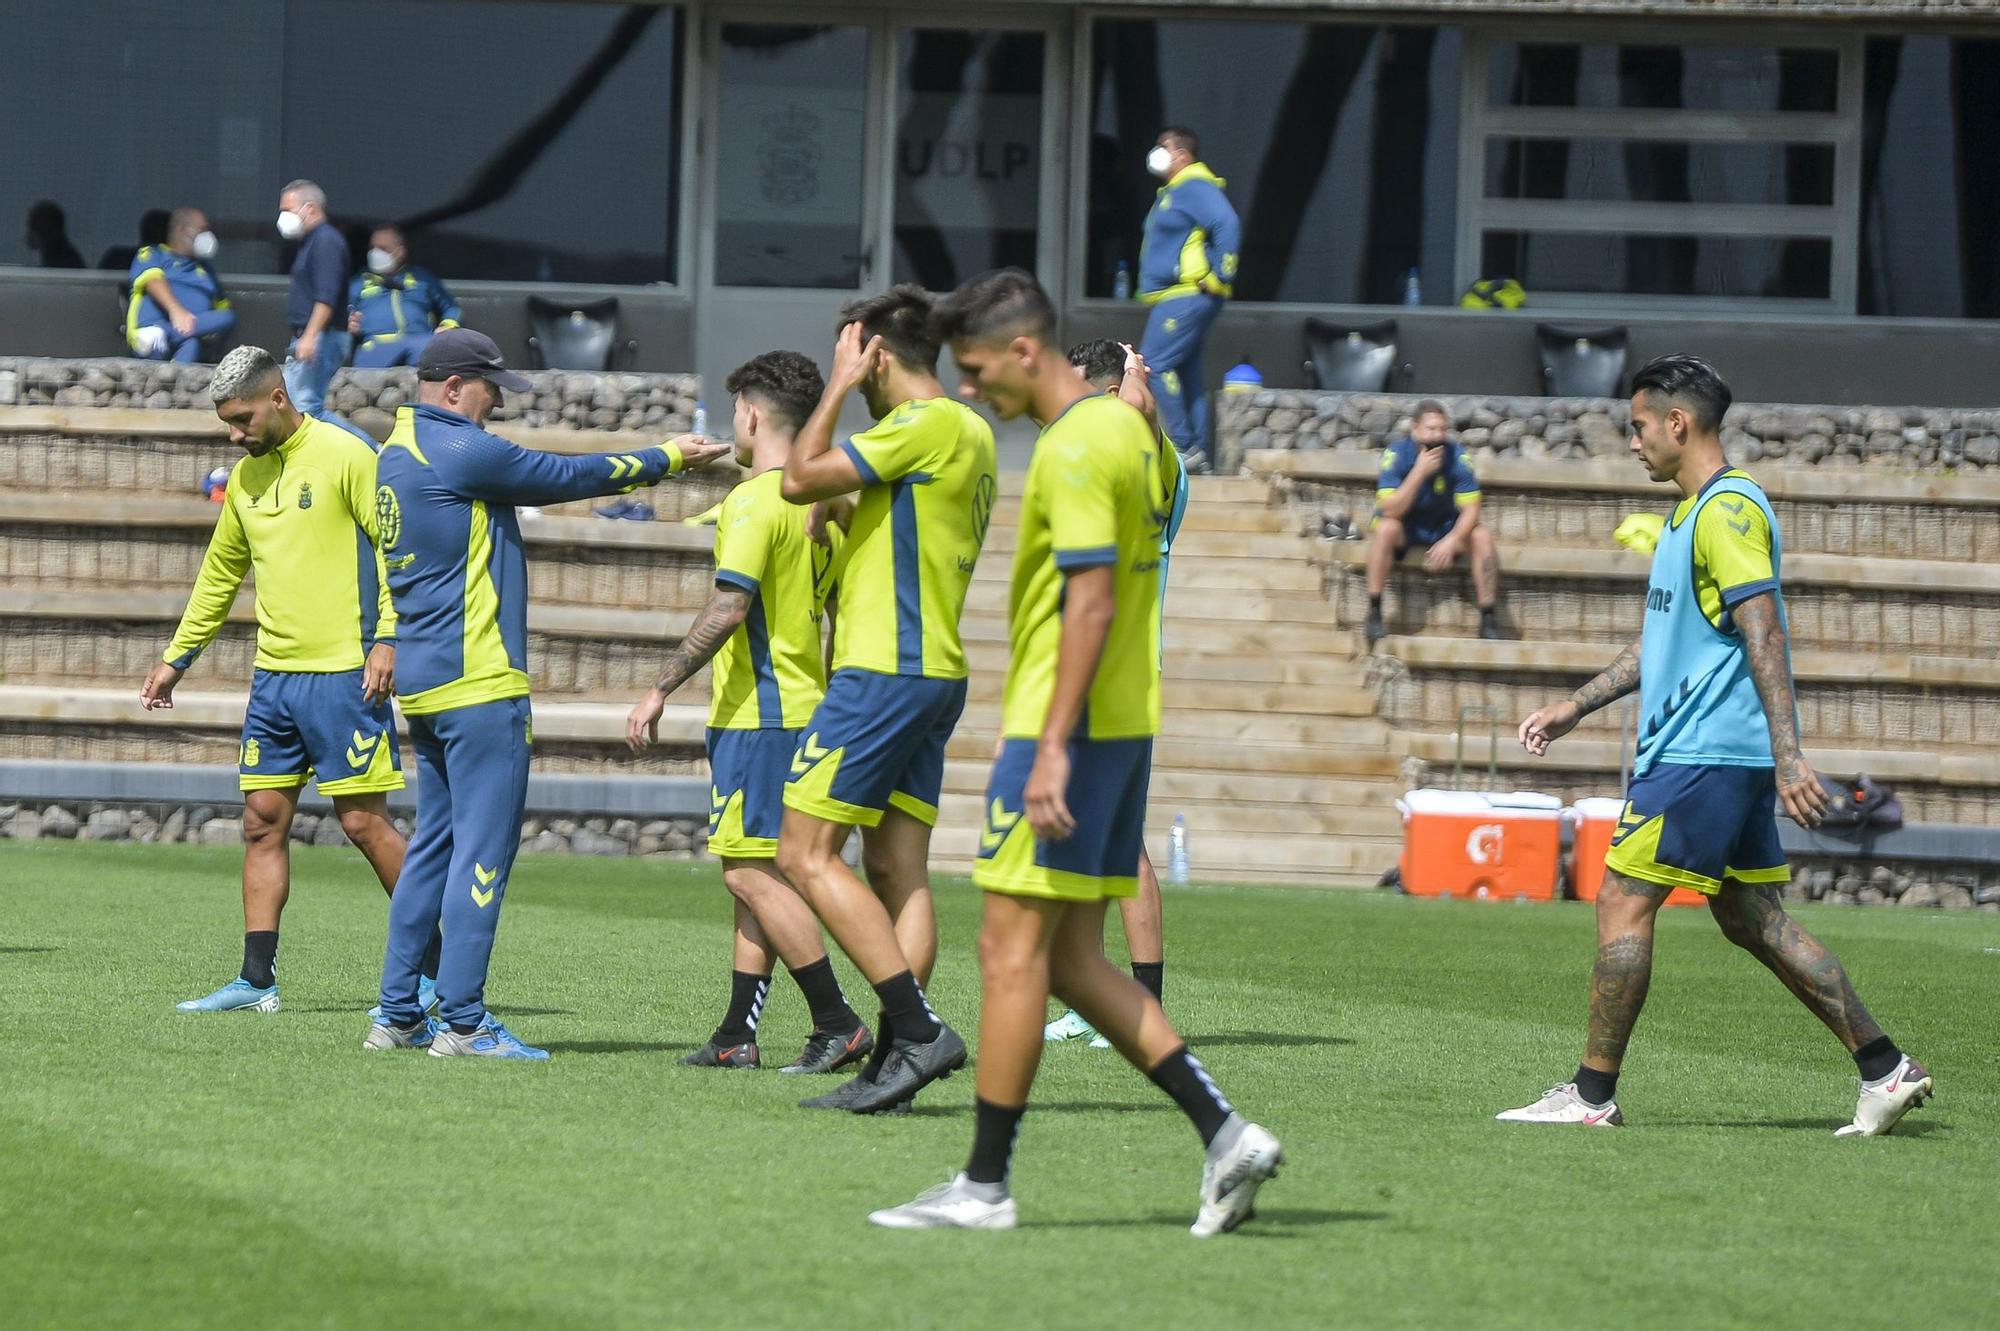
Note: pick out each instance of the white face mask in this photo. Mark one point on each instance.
(1159, 160)
(381, 262)
(204, 245)
(291, 226)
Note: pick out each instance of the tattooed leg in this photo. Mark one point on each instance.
(1626, 910)
(1485, 568)
(1752, 916)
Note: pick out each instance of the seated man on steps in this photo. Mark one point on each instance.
(1427, 495)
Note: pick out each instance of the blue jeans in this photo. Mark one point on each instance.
(207, 324)
(472, 786)
(1174, 333)
(382, 352)
(307, 384)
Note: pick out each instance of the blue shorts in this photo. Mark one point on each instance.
(874, 743)
(1107, 798)
(746, 798)
(1416, 535)
(303, 726)
(1687, 826)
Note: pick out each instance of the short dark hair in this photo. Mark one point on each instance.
(1183, 138)
(1691, 383)
(1099, 359)
(1430, 406)
(784, 383)
(901, 317)
(1006, 300)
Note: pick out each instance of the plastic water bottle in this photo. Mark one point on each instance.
(1121, 282)
(700, 420)
(1177, 852)
(1243, 378)
(1413, 288)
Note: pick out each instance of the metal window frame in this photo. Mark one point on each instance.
(1838, 222)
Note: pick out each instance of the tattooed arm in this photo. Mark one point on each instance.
(1771, 668)
(1549, 724)
(727, 607)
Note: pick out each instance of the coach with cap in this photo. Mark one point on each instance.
(444, 499)
(316, 305)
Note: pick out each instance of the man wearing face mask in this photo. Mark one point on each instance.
(176, 299)
(316, 306)
(1187, 268)
(395, 306)
(444, 500)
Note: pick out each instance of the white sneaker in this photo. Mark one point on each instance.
(149, 340)
(1069, 1026)
(1884, 1102)
(959, 1204)
(1240, 1159)
(1562, 1104)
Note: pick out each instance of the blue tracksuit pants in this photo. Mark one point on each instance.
(1175, 330)
(383, 352)
(472, 786)
(207, 324)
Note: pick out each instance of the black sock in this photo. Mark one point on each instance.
(821, 987)
(464, 1027)
(260, 958)
(1375, 605)
(908, 1016)
(428, 967)
(1878, 1058)
(1181, 1075)
(1486, 613)
(1151, 974)
(747, 991)
(993, 1131)
(1594, 1086)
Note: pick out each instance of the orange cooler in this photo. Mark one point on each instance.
(1462, 844)
(1596, 820)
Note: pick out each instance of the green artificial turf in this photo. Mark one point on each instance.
(164, 1170)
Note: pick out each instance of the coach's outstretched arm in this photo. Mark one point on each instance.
(1764, 640)
(1549, 724)
(485, 466)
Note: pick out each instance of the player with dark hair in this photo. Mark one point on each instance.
(1114, 367)
(762, 628)
(1427, 494)
(873, 752)
(1718, 752)
(1066, 803)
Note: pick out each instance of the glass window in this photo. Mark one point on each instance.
(1642, 170)
(523, 142)
(1609, 263)
(1692, 78)
(968, 153)
(515, 140)
(791, 147)
(1339, 143)
(1930, 178)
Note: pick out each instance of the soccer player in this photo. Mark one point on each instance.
(1066, 803)
(445, 497)
(300, 511)
(873, 752)
(762, 628)
(1113, 367)
(1718, 753)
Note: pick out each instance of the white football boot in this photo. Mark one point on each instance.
(1562, 1104)
(1884, 1102)
(959, 1204)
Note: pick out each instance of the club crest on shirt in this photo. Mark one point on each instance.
(306, 495)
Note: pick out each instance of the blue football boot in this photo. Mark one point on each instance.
(239, 995)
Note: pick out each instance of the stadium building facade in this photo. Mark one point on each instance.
(1802, 189)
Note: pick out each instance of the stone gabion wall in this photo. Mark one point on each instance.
(662, 403)
(201, 824)
(1919, 438)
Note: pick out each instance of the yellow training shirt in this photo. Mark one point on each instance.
(770, 674)
(929, 478)
(302, 518)
(1095, 496)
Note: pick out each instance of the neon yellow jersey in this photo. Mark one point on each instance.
(929, 478)
(302, 517)
(1732, 550)
(1095, 496)
(770, 674)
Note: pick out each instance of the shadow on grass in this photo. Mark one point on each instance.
(1272, 1222)
(618, 1046)
(1920, 1127)
(1274, 1039)
(1067, 1107)
(28, 949)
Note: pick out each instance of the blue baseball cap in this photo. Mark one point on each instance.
(469, 355)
